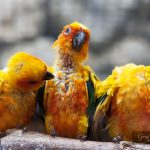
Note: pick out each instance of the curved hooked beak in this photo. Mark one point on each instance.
(78, 40)
(48, 76)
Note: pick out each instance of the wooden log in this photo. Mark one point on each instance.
(38, 141)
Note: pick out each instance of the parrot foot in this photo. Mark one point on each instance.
(117, 139)
(82, 138)
(53, 133)
(24, 129)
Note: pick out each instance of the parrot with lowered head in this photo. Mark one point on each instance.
(19, 82)
(71, 98)
(126, 108)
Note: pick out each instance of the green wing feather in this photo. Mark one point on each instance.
(94, 101)
(99, 93)
(95, 94)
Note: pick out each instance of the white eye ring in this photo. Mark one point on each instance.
(67, 31)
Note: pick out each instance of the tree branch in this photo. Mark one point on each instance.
(38, 141)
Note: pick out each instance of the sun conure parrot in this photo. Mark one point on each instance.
(126, 108)
(71, 97)
(19, 82)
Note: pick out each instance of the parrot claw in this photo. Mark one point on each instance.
(82, 138)
(53, 133)
(24, 129)
(117, 139)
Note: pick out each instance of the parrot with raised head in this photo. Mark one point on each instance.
(126, 108)
(71, 98)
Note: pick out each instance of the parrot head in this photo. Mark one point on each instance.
(25, 72)
(73, 42)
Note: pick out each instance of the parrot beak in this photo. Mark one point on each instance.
(78, 41)
(48, 76)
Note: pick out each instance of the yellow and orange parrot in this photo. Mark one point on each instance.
(71, 97)
(19, 82)
(127, 107)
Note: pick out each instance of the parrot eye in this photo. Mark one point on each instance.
(67, 31)
(19, 67)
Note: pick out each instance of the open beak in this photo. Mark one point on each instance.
(78, 40)
(48, 76)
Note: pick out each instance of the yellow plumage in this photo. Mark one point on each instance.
(127, 106)
(19, 82)
(67, 101)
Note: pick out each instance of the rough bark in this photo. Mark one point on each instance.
(38, 141)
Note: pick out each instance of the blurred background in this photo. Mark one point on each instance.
(120, 29)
